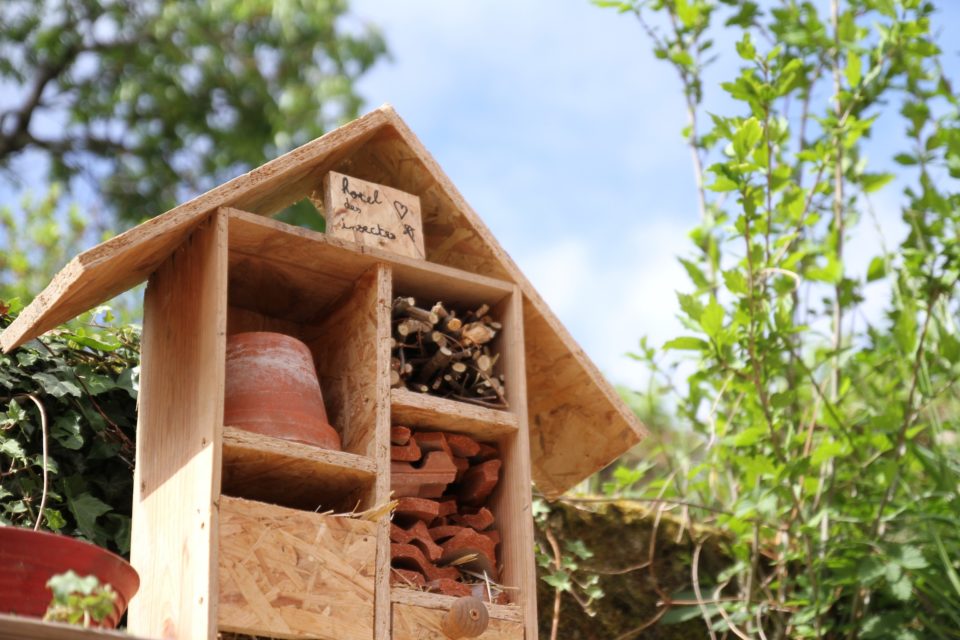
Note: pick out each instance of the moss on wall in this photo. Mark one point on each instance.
(619, 535)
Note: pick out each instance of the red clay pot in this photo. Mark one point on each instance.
(272, 388)
(29, 558)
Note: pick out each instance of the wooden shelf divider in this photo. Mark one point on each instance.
(424, 410)
(260, 467)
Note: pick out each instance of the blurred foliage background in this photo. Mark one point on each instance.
(114, 111)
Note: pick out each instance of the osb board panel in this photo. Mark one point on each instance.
(344, 348)
(572, 433)
(125, 260)
(176, 478)
(292, 474)
(427, 600)
(416, 623)
(424, 410)
(295, 574)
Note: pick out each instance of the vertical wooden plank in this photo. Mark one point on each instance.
(512, 499)
(177, 476)
(344, 346)
(382, 617)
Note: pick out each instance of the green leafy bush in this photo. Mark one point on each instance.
(826, 437)
(85, 378)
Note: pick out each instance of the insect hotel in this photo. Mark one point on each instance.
(338, 431)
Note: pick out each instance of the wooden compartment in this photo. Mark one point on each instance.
(417, 614)
(330, 303)
(293, 574)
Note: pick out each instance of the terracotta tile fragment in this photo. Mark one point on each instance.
(433, 441)
(447, 507)
(431, 490)
(477, 519)
(399, 435)
(462, 464)
(468, 542)
(444, 531)
(420, 536)
(487, 452)
(494, 536)
(416, 509)
(478, 483)
(408, 556)
(436, 468)
(450, 587)
(407, 578)
(463, 446)
(409, 452)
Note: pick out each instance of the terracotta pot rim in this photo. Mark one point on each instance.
(26, 549)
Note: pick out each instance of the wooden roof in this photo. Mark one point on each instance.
(578, 424)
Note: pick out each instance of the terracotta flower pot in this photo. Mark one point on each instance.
(29, 558)
(272, 388)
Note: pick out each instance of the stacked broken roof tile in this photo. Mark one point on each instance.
(442, 535)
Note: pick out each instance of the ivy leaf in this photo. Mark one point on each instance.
(558, 580)
(66, 430)
(86, 509)
(56, 387)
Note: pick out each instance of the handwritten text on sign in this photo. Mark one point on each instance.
(373, 214)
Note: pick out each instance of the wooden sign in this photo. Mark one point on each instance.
(373, 214)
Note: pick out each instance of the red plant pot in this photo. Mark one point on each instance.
(272, 388)
(29, 558)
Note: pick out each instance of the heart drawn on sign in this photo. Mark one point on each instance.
(401, 208)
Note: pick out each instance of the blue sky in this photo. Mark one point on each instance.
(563, 132)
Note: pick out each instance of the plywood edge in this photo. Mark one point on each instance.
(410, 268)
(112, 267)
(424, 410)
(35, 314)
(237, 441)
(427, 600)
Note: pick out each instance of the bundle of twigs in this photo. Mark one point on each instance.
(444, 353)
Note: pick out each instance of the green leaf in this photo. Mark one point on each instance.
(712, 318)
(66, 430)
(911, 557)
(686, 343)
(676, 615)
(690, 305)
(853, 70)
(86, 509)
(736, 282)
(750, 436)
(905, 159)
(746, 137)
(902, 589)
(745, 48)
(877, 269)
(56, 387)
(558, 580)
